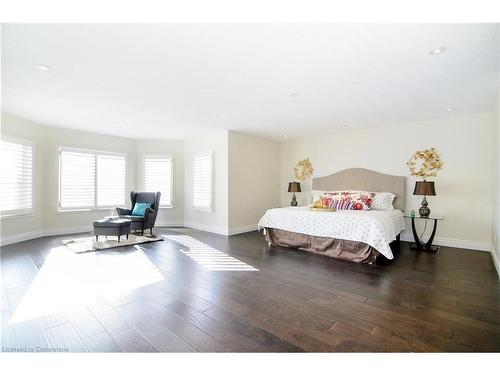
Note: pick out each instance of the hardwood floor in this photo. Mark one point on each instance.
(201, 292)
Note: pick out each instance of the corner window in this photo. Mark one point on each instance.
(16, 184)
(158, 176)
(203, 181)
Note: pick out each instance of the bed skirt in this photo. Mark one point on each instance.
(352, 251)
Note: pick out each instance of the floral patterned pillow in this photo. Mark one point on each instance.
(349, 200)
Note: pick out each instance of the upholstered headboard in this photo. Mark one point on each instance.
(366, 180)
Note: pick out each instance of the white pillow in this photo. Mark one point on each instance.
(383, 201)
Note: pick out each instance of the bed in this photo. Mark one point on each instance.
(356, 236)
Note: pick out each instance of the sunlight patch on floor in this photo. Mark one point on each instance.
(69, 281)
(208, 257)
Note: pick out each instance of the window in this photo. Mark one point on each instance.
(158, 172)
(202, 181)
(91, 179)
(77, 180)
(16, 183)
(110, 180)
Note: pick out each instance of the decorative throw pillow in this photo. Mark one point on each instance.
(349, 200)
(319, 194)
(140, 208)
(383, 201)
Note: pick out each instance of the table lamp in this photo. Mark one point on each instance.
(294, 187)
(424, 188)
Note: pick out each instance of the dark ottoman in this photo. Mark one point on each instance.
(113, 227)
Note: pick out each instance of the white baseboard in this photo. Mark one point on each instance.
(172, 224)
(66, 230)
(496, 261)
(8, 240)
(243, 229)
(15, 238)
(207, 228)
(452, 242)
(222, 231)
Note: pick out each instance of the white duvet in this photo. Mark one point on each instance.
(376, 228)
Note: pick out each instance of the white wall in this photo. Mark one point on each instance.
(254, 179)
(251, 174)
(18, 128)
(495, 229)
(254, 185)
(217, 220)
(464, 186)
(246, 181)
(173, 216)
(46, 218)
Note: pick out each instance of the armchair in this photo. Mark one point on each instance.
(142, 222)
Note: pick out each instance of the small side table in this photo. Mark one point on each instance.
(419, 245)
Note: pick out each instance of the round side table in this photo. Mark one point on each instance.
(419, 244)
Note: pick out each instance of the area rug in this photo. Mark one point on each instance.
(86, 244)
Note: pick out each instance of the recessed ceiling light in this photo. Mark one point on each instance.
(285, 135)
(42, 67)
(437, 51)
(450, 109)
(294, 94)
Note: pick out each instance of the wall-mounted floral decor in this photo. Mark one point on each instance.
(303, 170)
(425, 163)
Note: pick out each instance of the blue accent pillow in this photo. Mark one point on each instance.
(140, 208)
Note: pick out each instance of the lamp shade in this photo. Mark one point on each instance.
(424, 188)
(294, 187)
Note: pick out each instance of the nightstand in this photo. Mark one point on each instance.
(419, 245)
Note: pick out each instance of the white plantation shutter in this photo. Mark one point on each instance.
(77, 179)
(16, 181)
(158, 177)
(110, 180)
(91, 179)
(202, 180)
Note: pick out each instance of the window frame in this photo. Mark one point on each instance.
(95, 207)
(25, 212)
(210, 208)
(172, 175)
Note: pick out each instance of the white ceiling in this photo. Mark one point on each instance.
(180, 80)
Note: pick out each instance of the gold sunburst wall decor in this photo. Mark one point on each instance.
(303, 170)
(425, 163)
